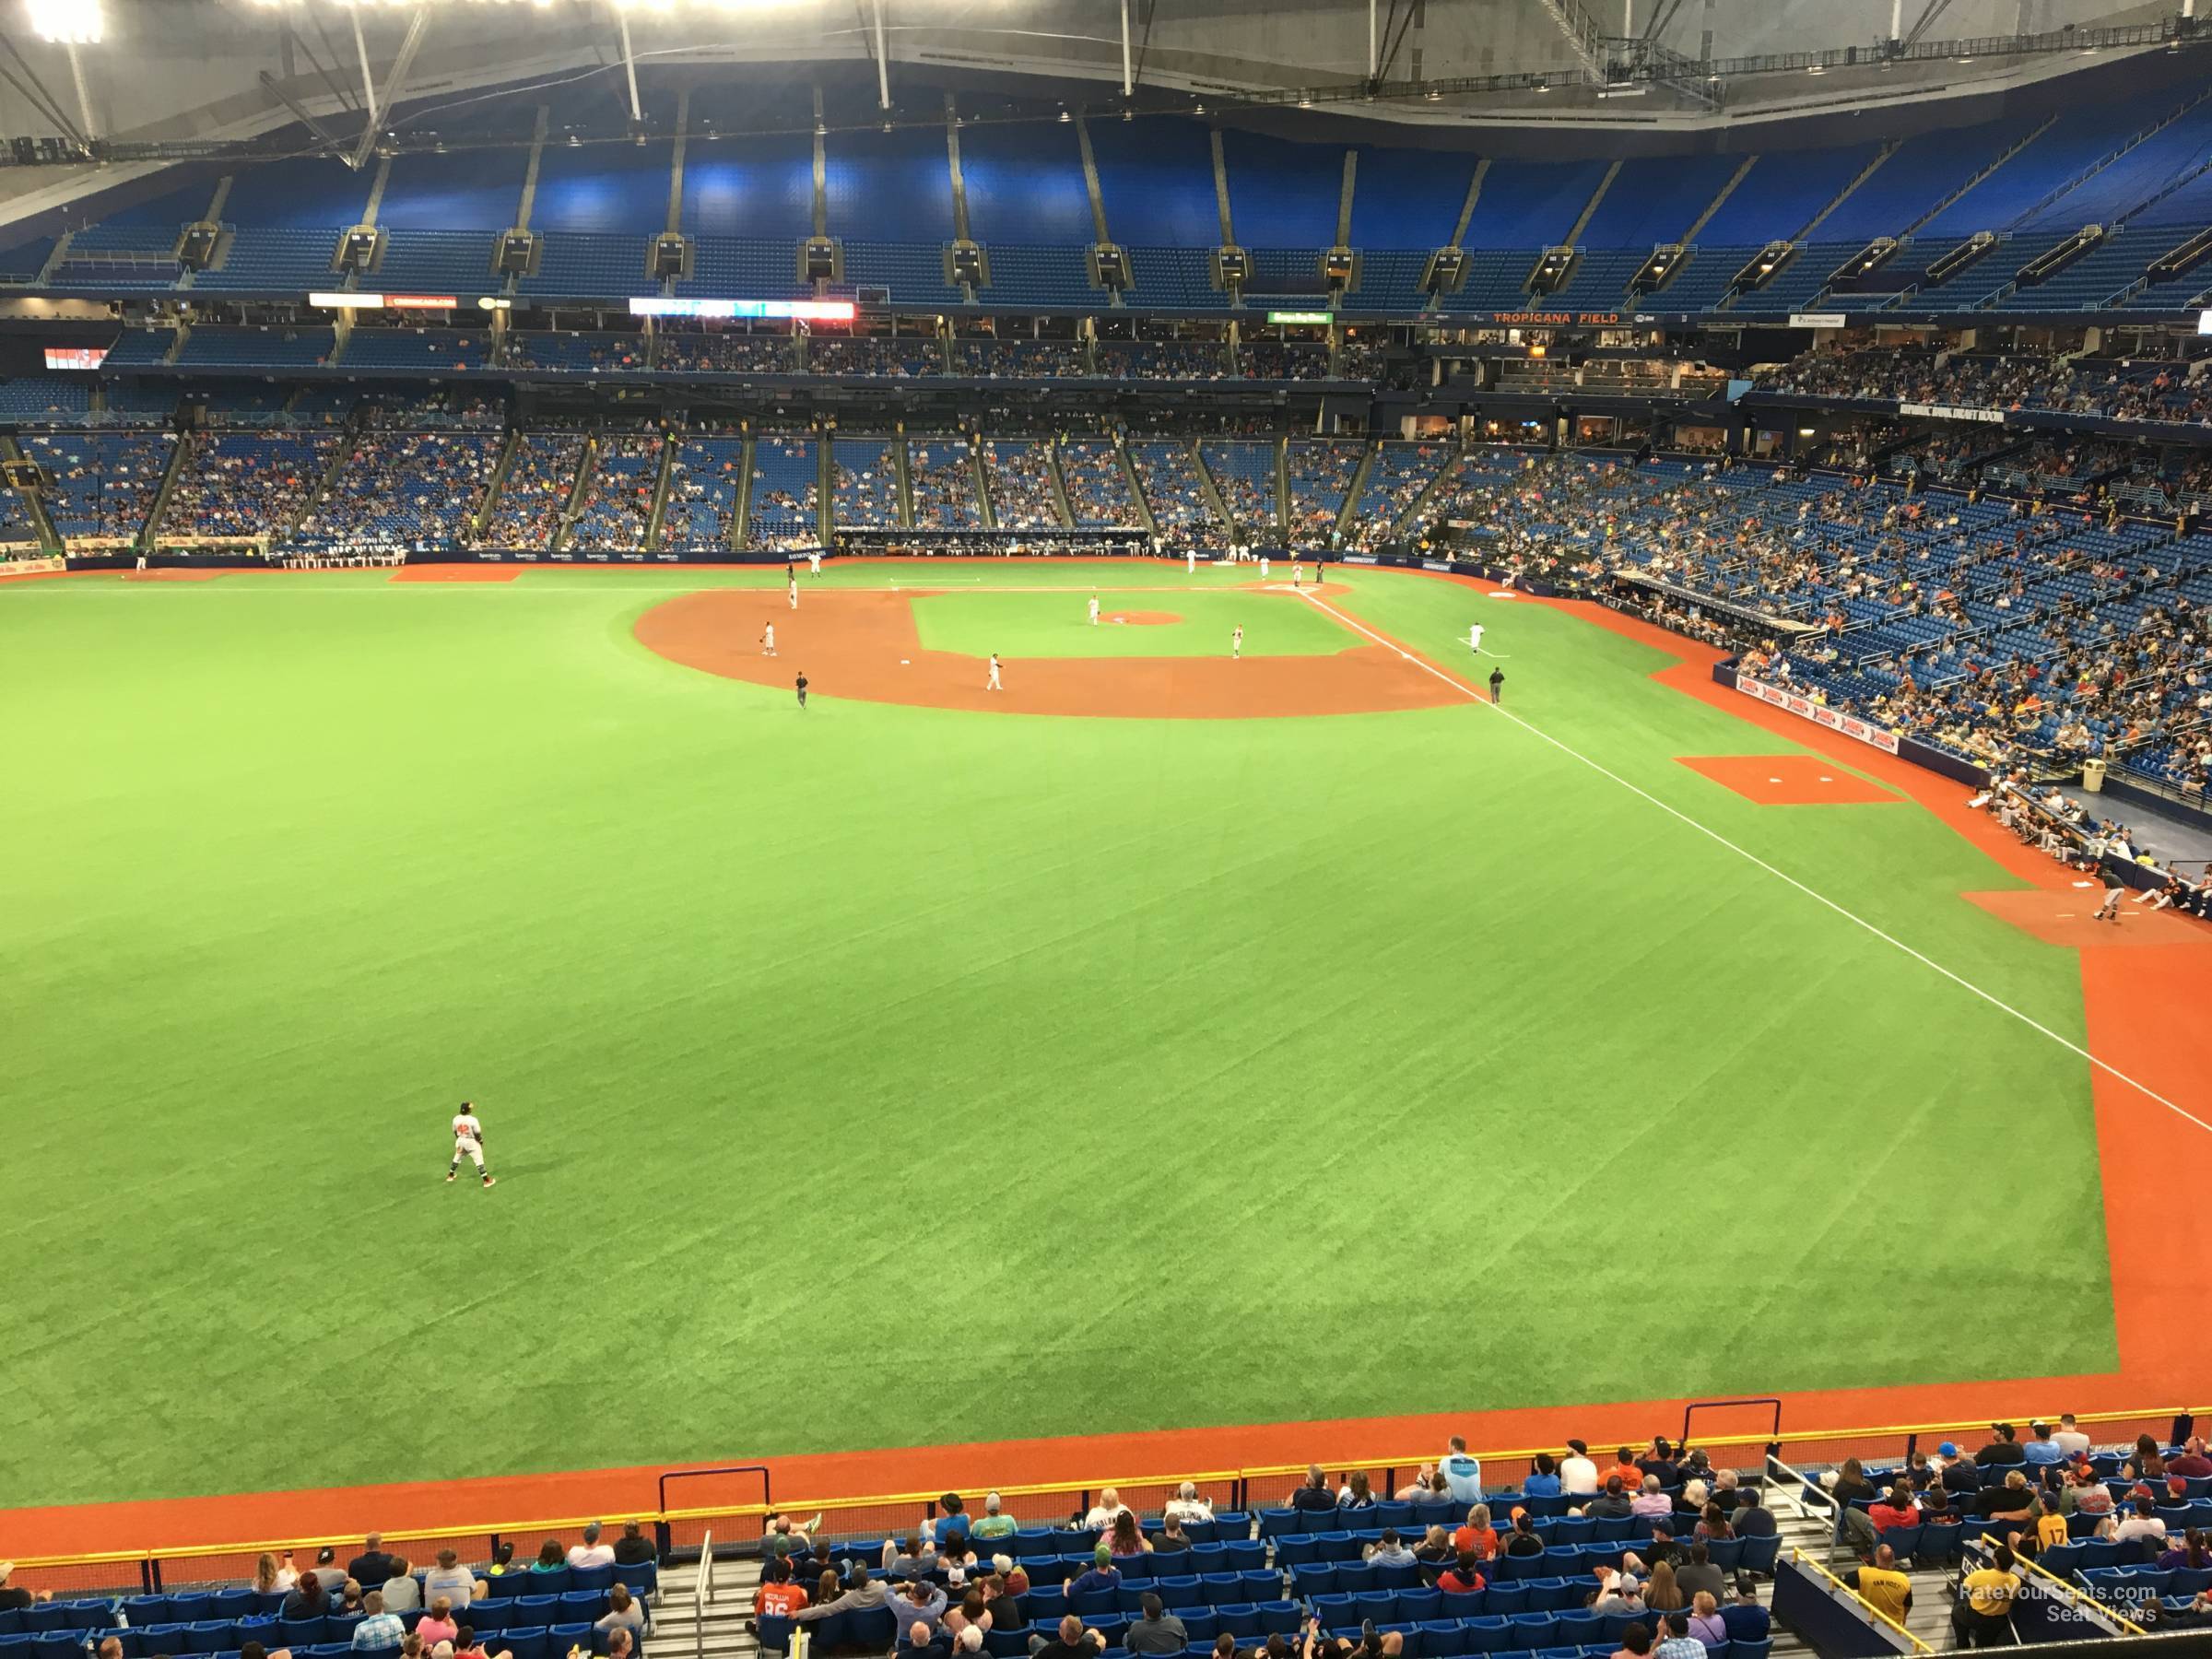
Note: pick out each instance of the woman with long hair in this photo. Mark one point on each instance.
(1356, 1494)
(270, 1578)
(1661, 1593)
(1123, 1539)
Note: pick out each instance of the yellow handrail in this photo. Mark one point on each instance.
(807, 1506)
(1803, 1560)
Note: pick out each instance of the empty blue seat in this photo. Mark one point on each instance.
(1180, 1590)
(506, 1587)
(483, 1616)
(1485, 1633)
(1582, 1628)
(141, 1610)
(190, 1606)
(532, 1641)
(1338, 1545)
(1740, 1649)
(1553, 1595)
(582, 1605)
(591, 1578)
(1295, 1549)
(999, 1644)
(1245, 1554)
(1443, 1638)
(1279, 1522)
(1200, 1624)
(1727, 1554)
(1134, 1567)
(564, 1638)
(1466, 1603)
(1399, 1516)
(57, 1644)
(1532, 1629)
(1129, 1598)
(1241, 1619)
(1379, 1606)
(1261, 1586)
(1277, 1618)
(298, 1633)
(547, 1580)
(1508, 1599)
(1355, 1575)
(1091, 1604)
(539, 1609)
(1760, 1554)
(220, 1635)
(1222, 1588)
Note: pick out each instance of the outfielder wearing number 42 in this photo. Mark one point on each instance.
(468, 1142)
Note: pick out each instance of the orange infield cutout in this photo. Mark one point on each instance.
(1787, 780)
(1145, 619)
(2062, 916)
(864, 646)
(457, 572)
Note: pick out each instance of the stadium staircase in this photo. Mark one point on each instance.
(986, 509)
(1137, 492)
(659, 514)
(1059, 482)
(906, 484)
(744, 508)
(1212, 491)
(1354, 491)
(178, 453)
(497, 487)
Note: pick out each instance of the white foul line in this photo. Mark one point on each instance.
(1473, 695)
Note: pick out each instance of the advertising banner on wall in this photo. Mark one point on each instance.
(1805, 708)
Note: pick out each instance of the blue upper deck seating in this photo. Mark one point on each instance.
(276, 261)
(1919, 173)
(911, 270)
(438, 260)
(750, 187)
(606, 189)
(461, 190)
(892, 187)
(1655, 198)
(590, 266)
(2181, 147)
(746, 268)
(1408, 198)
(1530, 204)
(1024, 185)
(307, 192)
(1155, 179)
(2072, 143)
(1282, 196)
(1781, 192)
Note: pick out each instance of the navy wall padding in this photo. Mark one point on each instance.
(25, 260)
(1530, 204)
(1282, 194)
(306, 193)
(889, 186)
(607, 188)
(1025, 184)
(1404, 199)
(474, 190)
(1156, 180)
(750, 186)
(1832, 1625)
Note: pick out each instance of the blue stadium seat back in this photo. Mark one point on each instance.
(506, 1587)
(1760, 1554)
(240, 1603)
(2188, 1580)
(1573, 1529)
(1469, 1604)
(773, 1633)
(1180, 1589)
(1616, 1529)
(1246, 1554)
(1001, 1644)
(299, 1632)
(1508, 1599)
(1355, 1575)
(562, 1637)
(591, 1578)
(1727, 1554)
(1436, 1511)
(1485, 1633)
(484, 1616)
(191, 1606)
(1941, 1542)
(1532, 1629)
(1276, 1523)
(16, 1644)
(1045, 1604)
(1381, 1605)
(2098, 1552)
(1202, 1558)
(1199, 1532)
(1339, 1545)
(532, 1642)
(538, 1609)
(411, 1618)
(1559, 1652)
(2176, 1516)
(1398, 1575)
(1583, 1629)
(1199, 1624)
(1241, 1619)
(1139, 1566)
(1278, 1618)
(1545, 1505)
(1129, 1598)
(1553, 1595)
(1750, 1650)
(328, 1650)
(1410, 1637)
(11, 1619)
(1231, 1525)
(1031, 1542)
(585, 1604)
(1331, 1611)
(1443, 1638)
(1617, 1625)
(1110, 1627)
(547, 1580)
(1221, 1587)
(140, 1610)
(1292, 1550)
(1089, 1603)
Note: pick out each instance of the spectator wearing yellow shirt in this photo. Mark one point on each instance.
(1885, 1589)
(1983, 1612)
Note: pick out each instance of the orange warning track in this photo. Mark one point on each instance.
(864, 646)
(2066, 918)
(1787, 780)
(1145, 619)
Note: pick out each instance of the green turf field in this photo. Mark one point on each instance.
(1057, 625)
(1262, 1070)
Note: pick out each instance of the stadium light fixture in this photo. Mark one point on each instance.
(67, 22)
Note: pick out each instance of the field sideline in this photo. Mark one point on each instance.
(1204, 1044)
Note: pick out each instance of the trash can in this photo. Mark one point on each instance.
(2092, 777)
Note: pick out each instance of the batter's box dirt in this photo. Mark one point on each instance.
(1787, 780)
(864, 646)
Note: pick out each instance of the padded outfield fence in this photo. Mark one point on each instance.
(734, 1526)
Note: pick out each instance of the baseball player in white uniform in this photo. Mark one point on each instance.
(1236, 643)
(1298, 572)
(992, 684)
(1263, 561)
(795, 591)
(1475, 637)
(813, 562)
(1094, 610)
(768, 639)
(468, 1142)
(1191, 557)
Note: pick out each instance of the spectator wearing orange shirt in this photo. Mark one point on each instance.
(778, 1598)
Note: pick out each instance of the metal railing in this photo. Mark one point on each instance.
(702, 1595)
(135, 1572)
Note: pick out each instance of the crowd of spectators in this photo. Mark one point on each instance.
(716, 353)
(784, 511)
(703, 493)
(416, 491)
(1284, 360)
(2111, 389)
(990, 358)
(103, 484)
(534, 494)
(1021, 485)
(1320, 474)
(1164, 360)
(1098, 483)
(867, 483)
(247, 484)
(616, 508)
(899, 358)
(1400, 472)
(941, 473)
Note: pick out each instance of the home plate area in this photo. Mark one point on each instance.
(1787, 780)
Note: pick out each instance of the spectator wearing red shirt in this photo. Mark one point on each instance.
(2191, 1465)
(1464, 1577)
(1898, 1510)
